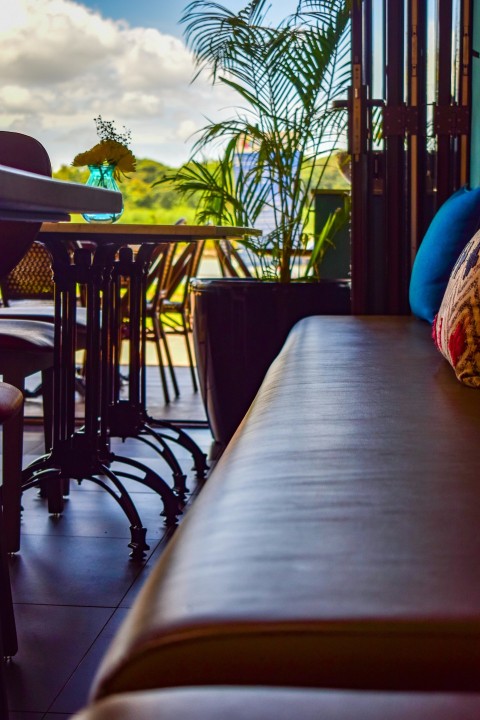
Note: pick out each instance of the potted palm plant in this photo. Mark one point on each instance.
(273, 151)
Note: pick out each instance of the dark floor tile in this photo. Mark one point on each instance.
(72, 571)
(33, 448)
(75, 693)
(90, 511)
(138, 583)
(186, 411)
(52, 642)
(26, 716)
(188, 405)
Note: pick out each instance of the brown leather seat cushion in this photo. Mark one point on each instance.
(282, 704)
(11, 401)
(337, 542)
(26, 335)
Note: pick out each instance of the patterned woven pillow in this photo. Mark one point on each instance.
(456, 328)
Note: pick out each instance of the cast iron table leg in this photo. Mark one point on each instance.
(85, 454)
(129, 418)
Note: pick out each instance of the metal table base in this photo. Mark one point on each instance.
(85, 454)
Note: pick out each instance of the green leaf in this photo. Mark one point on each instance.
(285, 77)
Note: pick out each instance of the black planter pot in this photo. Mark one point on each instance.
(240, 326)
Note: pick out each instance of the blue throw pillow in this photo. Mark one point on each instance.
(453, 226)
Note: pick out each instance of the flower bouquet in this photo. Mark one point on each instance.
(108, 161)
(112, 150)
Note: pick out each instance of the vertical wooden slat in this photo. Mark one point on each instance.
(357, 150)
(395, 216)
(417, 133)
(371, 298)
(445, 169)
(465, 87)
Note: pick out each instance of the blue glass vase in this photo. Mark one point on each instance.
(102, 176)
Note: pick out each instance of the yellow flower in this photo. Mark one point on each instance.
(108, 152)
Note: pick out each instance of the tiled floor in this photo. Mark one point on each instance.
(73, 580)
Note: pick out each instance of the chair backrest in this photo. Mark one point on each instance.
(23, 153)
(184, 267)
(159, 274)
(231, 262)
(31, 278)
(157, 279)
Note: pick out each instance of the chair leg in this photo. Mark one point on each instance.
(56, 489)
(8, 630)
(189, 353)
(47, 393)
(12, 459)
(161, 366)
(163, 337)
(3, 692)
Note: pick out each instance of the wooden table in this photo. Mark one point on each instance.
(85, 453)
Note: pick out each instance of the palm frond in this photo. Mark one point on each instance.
(285, 77)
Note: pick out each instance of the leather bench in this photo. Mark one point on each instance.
(229, 703)
(336, 543)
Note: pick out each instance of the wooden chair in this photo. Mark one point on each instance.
(11, 402)
(157, 281)
(28, 294)
(26, 346)
(159, 276)
(174, 310)
(31, 279)
(30, 282)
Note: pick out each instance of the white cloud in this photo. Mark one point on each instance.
(62, 64)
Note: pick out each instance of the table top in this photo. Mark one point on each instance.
(31, 197)
(134, 234)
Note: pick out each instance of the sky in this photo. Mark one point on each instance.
(63, 62)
